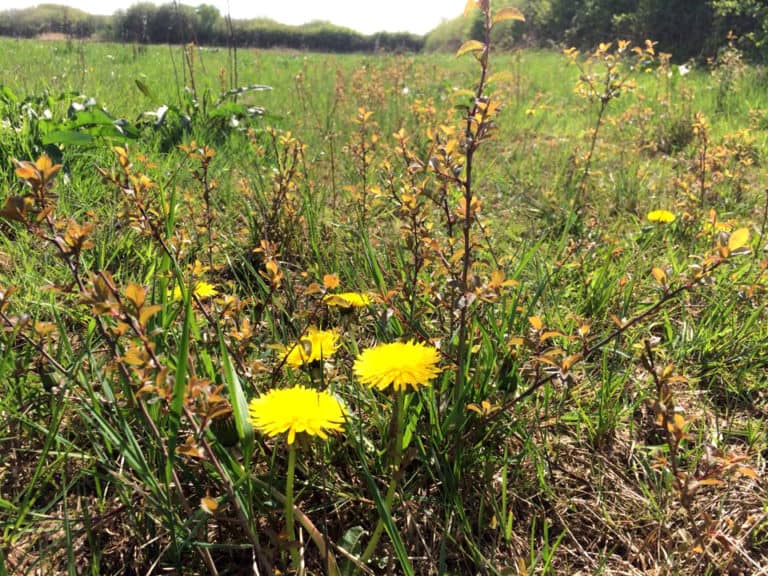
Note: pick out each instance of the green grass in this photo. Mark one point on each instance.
(547, 444)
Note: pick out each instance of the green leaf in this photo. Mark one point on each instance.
(386, 516)
(7, 505)
(237, 399)
(116, 131)
(180, 382)
(241, 90)
(350, 541)
(228, 109)
(144, 89)
(70, 137)
(3, 571)
(8, 94)
(90, 117)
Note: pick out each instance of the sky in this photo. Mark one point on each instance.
(366, 16)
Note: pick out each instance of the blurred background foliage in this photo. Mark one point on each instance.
(687, 29)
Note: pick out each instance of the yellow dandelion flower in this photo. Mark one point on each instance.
(664, 216)
(347, 299)
(316, 345)
(202, 290)
(205, 290)
(296, 410)
(398, 364)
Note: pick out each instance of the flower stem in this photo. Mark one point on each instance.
(397, 456)
(289, 529)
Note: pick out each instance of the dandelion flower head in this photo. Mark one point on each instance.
(316, 345)
(347, 300)
(295, 410)
(202, 290)
(400, 365)
(664, 216)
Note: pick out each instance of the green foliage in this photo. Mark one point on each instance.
(600, 399)
(50, 19)
(682, 28)
(447, 37)
(687, 30)
(175, 23)
(748, 20)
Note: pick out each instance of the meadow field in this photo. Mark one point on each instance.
(270, 312)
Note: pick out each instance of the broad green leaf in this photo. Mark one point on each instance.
(508, 13)
(90, 117)
(228, 109)
(116, 131)
(67, 137)
(470, 46)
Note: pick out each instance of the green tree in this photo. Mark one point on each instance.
(208, 21)
(748, 20)
(132, 25)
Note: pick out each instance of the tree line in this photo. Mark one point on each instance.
(147, 23)
(685, 28)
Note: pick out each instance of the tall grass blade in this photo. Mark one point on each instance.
(238, 400)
